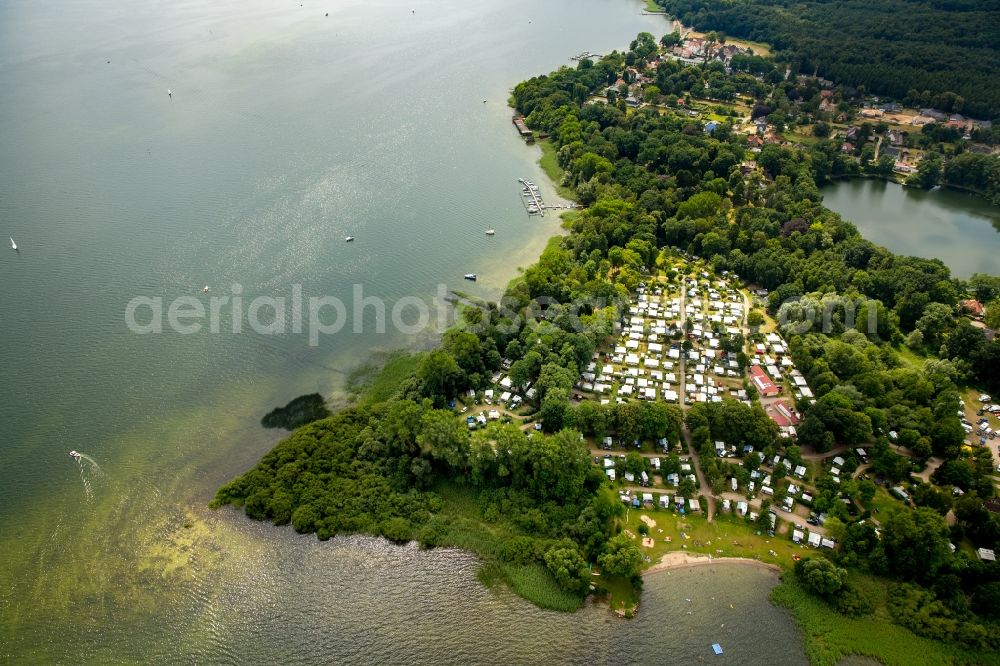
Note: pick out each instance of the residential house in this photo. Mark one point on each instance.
(973, 307)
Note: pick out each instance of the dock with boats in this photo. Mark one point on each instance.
(586, 55)
(531, 198)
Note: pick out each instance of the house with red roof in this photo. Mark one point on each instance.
(782, 414)
(973, 307)
(762, 382)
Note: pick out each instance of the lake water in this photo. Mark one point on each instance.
(287, 130)
(961, 230)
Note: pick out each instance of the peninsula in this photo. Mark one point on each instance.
(709, 362)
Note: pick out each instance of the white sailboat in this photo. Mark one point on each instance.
(490, 232)
(13, 245)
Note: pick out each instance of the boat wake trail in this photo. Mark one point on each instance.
(88, 469)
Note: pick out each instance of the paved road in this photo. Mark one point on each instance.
(932, 466)
(837, 450)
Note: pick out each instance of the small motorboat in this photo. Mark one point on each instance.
(170, 93)
(13, 245)
(349, 239)
(74, 455)
(471, 276)
(204, 289)
(491, 232)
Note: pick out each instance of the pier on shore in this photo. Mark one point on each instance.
(523, 129)
(531, 198)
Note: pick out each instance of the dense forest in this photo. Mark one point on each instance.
(381, 470)
(940, 53)
(656, 185)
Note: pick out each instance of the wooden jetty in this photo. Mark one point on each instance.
(523, 130)
(531, 199)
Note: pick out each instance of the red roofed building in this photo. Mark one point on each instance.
(973, 307)
(762, 382)
(782, 414)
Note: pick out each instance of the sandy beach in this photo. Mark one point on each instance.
(679, 560)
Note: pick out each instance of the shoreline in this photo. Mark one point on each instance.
(678, 559)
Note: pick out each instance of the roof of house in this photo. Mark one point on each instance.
(972, 306)
(782, 414)
(763, 383)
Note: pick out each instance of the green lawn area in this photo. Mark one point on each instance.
(622, 596)
(910, 357)
(759, 48)
(651, 6)
(550, 165)
(830, 636)
(805, 137)
(378, 381)
(883, 504)
(727, 535)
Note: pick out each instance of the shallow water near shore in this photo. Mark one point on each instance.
(285, 131)
(367, 601)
